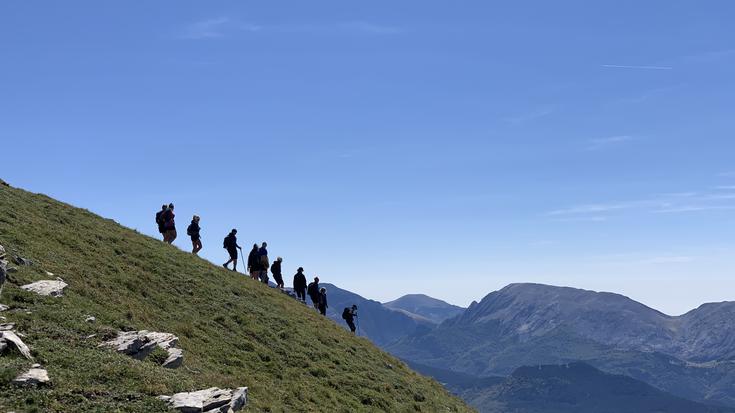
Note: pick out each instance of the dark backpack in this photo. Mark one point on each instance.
(346, 314)
(226, 242)
(190, 230)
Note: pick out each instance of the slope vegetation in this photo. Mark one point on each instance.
(234, 332)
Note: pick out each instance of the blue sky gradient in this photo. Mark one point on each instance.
(396, 147)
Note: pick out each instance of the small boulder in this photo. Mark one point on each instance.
(10, 337)
(140, 344)
(90, 319)
(35, 376)
(3, 307)
(175, 358)
(3, 273)
(52, 288)
(212, 400)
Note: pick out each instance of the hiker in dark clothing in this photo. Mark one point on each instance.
(299, 284)
(276, 270)
(193, 232)
(230, 244)
(264, 264)
(323, 301)
(349, 314)
(169, 225)
(159, 218)
(313, 291)
(254, 263)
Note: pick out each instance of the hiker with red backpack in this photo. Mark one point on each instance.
(230, 244)
(169, 225)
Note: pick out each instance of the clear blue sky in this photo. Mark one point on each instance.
(395, 147)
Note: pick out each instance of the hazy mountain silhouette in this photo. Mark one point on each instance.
(420, 306)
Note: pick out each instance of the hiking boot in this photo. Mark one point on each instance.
(225, 265)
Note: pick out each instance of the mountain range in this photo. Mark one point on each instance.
(690, 356)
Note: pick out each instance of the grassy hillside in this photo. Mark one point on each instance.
(234, 331)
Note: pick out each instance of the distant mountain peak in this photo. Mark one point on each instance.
(421, 306)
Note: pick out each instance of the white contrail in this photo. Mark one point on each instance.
(638, 67)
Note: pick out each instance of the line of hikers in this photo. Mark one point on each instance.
(257, 265)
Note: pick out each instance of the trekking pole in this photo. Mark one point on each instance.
(244, 267)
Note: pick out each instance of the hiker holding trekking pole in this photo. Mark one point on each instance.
(230, 244)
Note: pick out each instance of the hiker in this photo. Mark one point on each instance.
(254, 262)
(299, 285)
(264, 264)
(230, 244)
(159, 219)
(193, 232)
(276, 271)
(313, 291)
(323, 301)
(349, 314)
(169, 225)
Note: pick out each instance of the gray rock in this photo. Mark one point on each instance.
(11, 338)
(3, 307)
(140, 344)
(175, 358)
(2, 252)
(3, 273)
(52, 288)
(90, 319)
(7, 326)
(32, 377)
(3, 345)
(212, 400)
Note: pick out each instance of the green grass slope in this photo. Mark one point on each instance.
(234, 331)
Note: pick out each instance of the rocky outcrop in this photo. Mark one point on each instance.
(212, 400)
(140, 344)
(33, 377)
(8, 338)
(52, 288)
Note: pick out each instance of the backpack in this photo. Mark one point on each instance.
(226, 242)
(190, 230)
(346, 314)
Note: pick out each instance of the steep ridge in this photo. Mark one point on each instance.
(233, 332)
(424, 307)
(531, 324)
